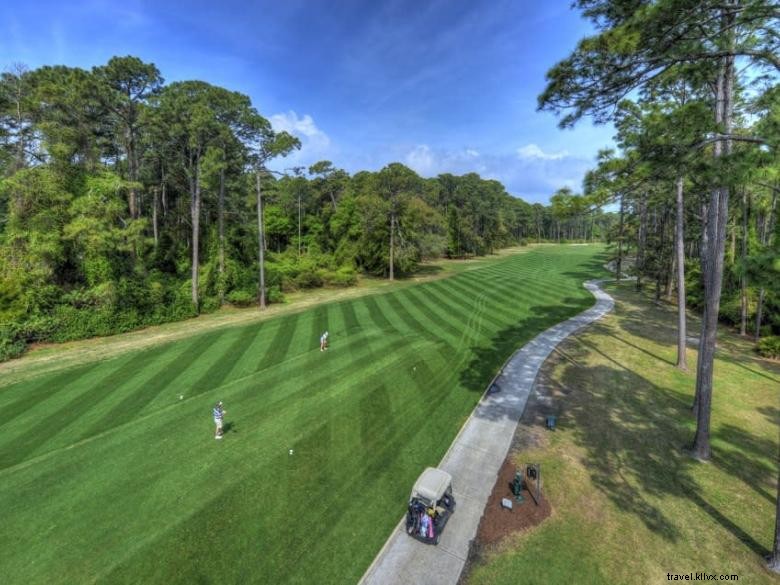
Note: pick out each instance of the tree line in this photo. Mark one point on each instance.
(691, 86)
(126, 201)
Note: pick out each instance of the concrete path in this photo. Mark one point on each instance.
(474, 459)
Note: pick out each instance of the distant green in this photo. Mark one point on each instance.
(107, 476)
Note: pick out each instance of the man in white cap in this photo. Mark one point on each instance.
(324, 341)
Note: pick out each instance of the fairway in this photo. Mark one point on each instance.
(107, 476)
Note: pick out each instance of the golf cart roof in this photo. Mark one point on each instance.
(432, 484)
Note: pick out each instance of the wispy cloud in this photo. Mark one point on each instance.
(532, 151)
(315, 143)
(535, 175)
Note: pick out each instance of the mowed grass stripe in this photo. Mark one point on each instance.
(157, 500)
(414, 325)
(242, 507)
(134, 402)
(44, 389)
(219, 371)
(280, 345)
(36, 436)
(379, 462)
(377, 315)
(451, 321)
(419, 304)
(475, 300)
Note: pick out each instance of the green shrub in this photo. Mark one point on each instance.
(309, 278)
(241, 298)
(275, 295)
(11, 343)
(769, 347)
(523, 242)
(344, 276)
(209, 304)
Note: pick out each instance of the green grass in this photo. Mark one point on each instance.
(629, 505)
(106, 476)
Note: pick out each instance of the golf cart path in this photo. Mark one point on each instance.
(474, 459)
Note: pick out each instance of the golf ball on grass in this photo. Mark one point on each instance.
(181, 397)
(291, 451)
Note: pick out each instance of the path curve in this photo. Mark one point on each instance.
(474, 459)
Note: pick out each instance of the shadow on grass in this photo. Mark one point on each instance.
(635, 431)
(487, 359)
(424, 270)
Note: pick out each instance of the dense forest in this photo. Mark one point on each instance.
(126, 201)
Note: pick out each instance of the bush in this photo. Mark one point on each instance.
(523, 242)
(769, 347)
(242, 298)
(344, 276)
(309, 278)
(209, 304)
(275, 295)
(11, 343)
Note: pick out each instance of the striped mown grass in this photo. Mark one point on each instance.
(107, 476)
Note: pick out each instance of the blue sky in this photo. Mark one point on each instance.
(442, 86)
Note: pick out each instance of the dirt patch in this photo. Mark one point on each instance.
(498, 522)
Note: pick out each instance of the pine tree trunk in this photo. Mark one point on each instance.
(743, 269)
(712, 273)
(759, 312)
(221, 228)
(132, 173)
(768, 228)
(155, 205)
(195, 212)
(260, 244)
(682, 327)
(619, 266)
(299, 225)
(774, 559)
(392, 243)
(641, 242)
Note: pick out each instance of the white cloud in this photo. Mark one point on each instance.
(421, 159)
(315, 143)
(301, 127)
(532, 151)
(534, 175)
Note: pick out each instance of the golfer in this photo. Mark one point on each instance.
(219, 415)
(324, 341)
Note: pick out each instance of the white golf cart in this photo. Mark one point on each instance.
(430, 505)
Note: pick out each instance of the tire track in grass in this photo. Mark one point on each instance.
(458, 311)
(470, 298)
(280, 344)
(129, 407)
(417, 299)
(468, 333)
(492, 299)
(18, 449)
(415, 326)
(45, 389)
